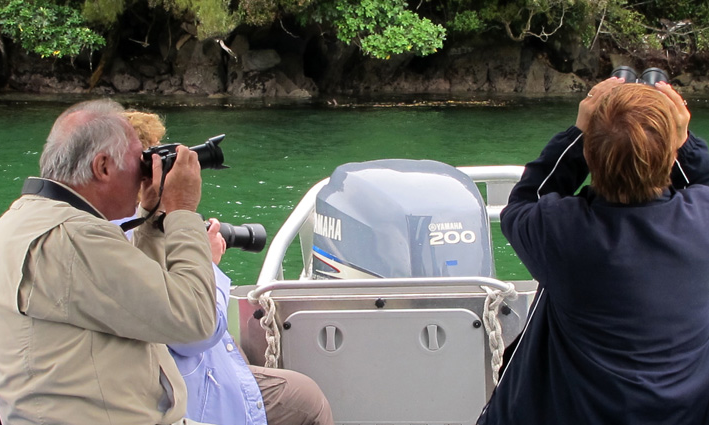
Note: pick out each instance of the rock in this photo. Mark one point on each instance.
(260, 60)
(203, 80)
(150, 86)
(240, 45)
(684, 79)
(125, 82)
(268, 84)
(543, 79)
(620, 60)
(698, 87)
(200, 66)
(165, 87)
(123, 77)
(536, 78)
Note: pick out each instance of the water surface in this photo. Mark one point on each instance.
(277, 152)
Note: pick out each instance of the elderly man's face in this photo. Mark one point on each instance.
(126, 182)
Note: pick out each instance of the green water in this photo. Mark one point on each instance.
(277, 153)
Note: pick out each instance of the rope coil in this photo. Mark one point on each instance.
(493, 301)
(273, 334)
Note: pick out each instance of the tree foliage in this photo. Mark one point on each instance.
(380, 28)
(103, 12)
(47, 29)
(212, 18)
(265, 12)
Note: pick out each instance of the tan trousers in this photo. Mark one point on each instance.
(291, 398)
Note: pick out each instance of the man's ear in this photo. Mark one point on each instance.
(100, 166)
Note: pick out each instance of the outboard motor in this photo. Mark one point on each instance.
(400, 218)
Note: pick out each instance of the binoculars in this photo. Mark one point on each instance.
(650, 76)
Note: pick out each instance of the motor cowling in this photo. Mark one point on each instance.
(400, 218)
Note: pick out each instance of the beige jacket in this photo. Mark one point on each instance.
(84, 315)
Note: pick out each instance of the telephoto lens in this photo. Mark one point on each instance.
(249, 237)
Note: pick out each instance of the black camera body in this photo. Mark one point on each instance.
(209, 153)
(650, 76)
(249, 237)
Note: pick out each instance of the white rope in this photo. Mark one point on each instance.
(493, 301)
(681, 170)
(558, 161)
(273, 335)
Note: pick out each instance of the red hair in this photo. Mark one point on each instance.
(628, 144)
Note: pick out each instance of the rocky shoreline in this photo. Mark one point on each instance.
(280, 66)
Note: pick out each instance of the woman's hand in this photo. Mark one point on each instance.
(594, 97)
(216, 240)
(679, 111)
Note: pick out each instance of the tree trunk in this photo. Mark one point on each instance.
(107, 57)
(4, 67)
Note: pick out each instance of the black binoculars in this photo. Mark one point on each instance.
(650, 76)
(209, 153)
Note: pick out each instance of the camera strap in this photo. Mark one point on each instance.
(53, 190)
(132, 224)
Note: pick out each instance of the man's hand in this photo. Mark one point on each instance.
(183, 183)
(150, 187)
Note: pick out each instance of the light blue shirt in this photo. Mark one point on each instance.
(220, 386)
(221, 389)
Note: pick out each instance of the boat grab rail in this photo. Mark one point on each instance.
(287, 233)
(254, 295)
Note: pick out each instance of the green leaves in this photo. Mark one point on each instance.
(47, 29)
(103, 12)
(264, 12)
(384, 28)
(467, 21)
(381, 28)
(212, 18)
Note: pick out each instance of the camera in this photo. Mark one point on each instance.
(209, 153)
(249, 237)
(650, 76)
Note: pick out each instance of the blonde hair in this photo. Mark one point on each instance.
(628, 145)
(148, 126)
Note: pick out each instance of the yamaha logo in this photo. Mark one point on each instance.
(449, 233)
(329, 227)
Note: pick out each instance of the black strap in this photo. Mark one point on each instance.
(130, 224)
(52, 190)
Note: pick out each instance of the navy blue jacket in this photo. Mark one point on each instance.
(619, 330)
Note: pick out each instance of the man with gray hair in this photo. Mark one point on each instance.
(84, 313)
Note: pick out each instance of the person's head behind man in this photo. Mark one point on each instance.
(148, 126)
(94, 150)
(629, 144)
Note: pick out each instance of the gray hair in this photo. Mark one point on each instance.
(78, 135)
